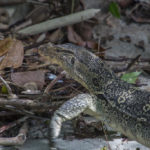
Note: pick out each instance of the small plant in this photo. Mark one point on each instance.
(114, 9)
(131, 77)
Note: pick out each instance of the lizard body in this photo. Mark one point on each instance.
(115, 102)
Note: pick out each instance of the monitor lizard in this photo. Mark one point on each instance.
(117, 103)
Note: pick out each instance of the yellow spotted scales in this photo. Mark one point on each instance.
(115, 102)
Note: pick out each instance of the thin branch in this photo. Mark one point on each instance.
(120, 59)
(10, 125)
(23, 103)
(12, 2)
(129, 66)
(62, 74)
(59, 22)
(22, 106)
(18, 140)
(133, 62)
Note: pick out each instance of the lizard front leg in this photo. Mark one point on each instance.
(67, 111)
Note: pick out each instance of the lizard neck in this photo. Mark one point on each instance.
(94, 76)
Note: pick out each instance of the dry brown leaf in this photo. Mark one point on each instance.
(4, 46)
(21, 78)
(74, 37)
(85, 30)
(38, 14)
(3, 26)
(14, 53)
(92, 44)
(56, 36)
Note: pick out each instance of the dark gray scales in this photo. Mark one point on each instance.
(115, 102)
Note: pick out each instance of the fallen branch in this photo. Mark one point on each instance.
(120, 59)
(23, 103)
(29, 107)
(59, 22)
(61, 75)
(12, 2)
(18, 140)
(10, 125)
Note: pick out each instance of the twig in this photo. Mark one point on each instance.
(62, 74)
(59, 22)
(72, 6)
(18, 140)
(23, 103)
(23, 25)
(64, 97)
(10, 125)
(134, 61)
(129, 66)
(12, 2)
(120, 59)
(5, 113)
(35, 2)
(18, 110)
(21, 106)
(60, 89)
(106, 138)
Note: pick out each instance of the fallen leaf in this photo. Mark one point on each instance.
(3, 26)
(92, 44)
(56, 36)
(74, 37)
(4, 90)
(85, 30)
(4, 46)
(21, 78)
(19, 14)
(38, 14)
(13, 53)
(104, 148)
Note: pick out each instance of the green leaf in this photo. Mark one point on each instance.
(4, 90)
(131, 77)
(104, 148)
(114, 9)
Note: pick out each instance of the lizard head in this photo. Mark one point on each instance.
(82, 65)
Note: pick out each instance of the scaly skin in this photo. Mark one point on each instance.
(117, 103)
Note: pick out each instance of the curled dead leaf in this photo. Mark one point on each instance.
(12, 51)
